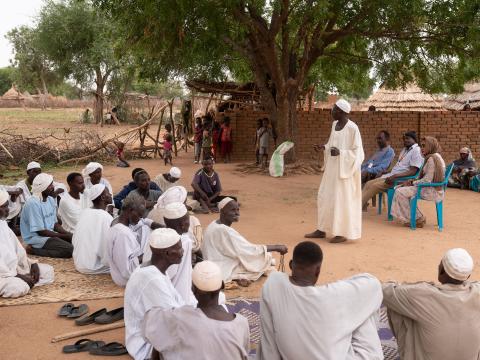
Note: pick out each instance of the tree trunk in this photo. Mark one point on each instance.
(98, 106)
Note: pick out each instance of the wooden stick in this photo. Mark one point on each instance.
(4, 148)
(95, 330)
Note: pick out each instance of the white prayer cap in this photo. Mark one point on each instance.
(198, 114)
(4, 197)
(95, 191)
(458, 264)
(33, 165)
(344, 105)
(171, 195)
(175, 210)
(163, 238)
(175, 172)
(207, 276)
(91, 167)
(41, 183)
(224, 202)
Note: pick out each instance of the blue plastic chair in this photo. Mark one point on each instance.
(439, 205)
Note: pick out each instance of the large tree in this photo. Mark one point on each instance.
(286, 45)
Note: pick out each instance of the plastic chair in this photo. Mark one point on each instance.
(439, 205)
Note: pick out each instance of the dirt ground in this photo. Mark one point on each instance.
(273, 211)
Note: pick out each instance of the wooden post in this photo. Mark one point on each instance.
(170, 105)
(157, 148)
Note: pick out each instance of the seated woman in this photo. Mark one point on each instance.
(464, 169)
(433, 171)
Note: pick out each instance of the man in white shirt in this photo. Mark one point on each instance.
(71, 203)
(167, 180)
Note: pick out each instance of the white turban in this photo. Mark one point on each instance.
(207, 276)
(33, 165)
(40, 184)
(163, 238)
(91, 167)
(175, 210)
(198, 114)
(95, 191)
(171, 195)
(458, 264)
(175, 172)
(224, 202)
(344, 105)
(4, 197)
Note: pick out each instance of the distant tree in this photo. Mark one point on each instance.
(6, 79)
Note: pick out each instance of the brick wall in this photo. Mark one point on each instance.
(453, 129)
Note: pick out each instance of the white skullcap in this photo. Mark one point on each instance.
(95, 191)
(224, 202)
(40, 184)
(171, 195)
(198, 114)
(207, 276)
(33, 165)
(4, 197)
(344, 105)
(91, 167)
(163, 238)
(175, 172)
(175, 210)
(458, 264)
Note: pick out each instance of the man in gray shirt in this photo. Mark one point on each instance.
(142, 180)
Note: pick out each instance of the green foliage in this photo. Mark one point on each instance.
(6, 79)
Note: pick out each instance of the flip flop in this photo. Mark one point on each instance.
(66, 309)
(111, 349)
(78, 311)
(90, 319)
(110, 316)
(82, 345)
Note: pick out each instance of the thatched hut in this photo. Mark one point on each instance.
(470, 96)
(412, 98)
(13, 94)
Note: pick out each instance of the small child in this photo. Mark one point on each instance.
(226, 140)
(167, 149)
(197, 139)
(263, 135)
(120, 155)
(206, 144)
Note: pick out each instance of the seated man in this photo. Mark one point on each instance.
(38, 222)
(14, 207)
(183, 333)
(464, 169)
(18, 273)
(142, 181)
(93, 175)
(150, 286)
(379, 163)
(90, 236)
(409, 162)
(300, 320)
(441, 321)
(118, 198)
(240, 260)
(166, 181)
(71, 204)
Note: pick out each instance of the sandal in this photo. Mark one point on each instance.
(110, 316)
(78, 311)
(90, 319)
(83, 345)
(110, 349)
(66, 309)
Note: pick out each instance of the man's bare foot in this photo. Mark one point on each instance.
(29, 249)
(243, 282)
(317, 234)
(338, 239)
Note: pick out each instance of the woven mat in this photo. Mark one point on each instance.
(250, 308)
(69, 285)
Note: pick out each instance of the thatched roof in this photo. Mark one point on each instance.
(412, 98)
(224, 88)
(470, 95)
(13, 94)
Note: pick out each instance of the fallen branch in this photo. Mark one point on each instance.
(4, 148)
(90, 331)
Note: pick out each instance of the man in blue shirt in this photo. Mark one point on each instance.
(118, 198)
(38, 222)
(379, 163)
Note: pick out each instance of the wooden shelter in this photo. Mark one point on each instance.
(470, 96)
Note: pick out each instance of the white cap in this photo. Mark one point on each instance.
(344, 105)
(41, 183)
(4, 197)
(91, 167)
(171, 195)
(33, 165)
(95, 191)
(198, 114)
(224, 202)
(458, 264)
(207, 276)
(175, 210)
(163, 238)
(175, 172)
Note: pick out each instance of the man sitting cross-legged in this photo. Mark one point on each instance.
(167, 180)
(90, 236)
(300, 320)
(238, 259)
(437, 321)
(18, 273)
(205, 332)
(142, 180)
(118, 198)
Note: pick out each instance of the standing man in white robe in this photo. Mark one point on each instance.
(148, 287)
(300, 320)
(71, 204)
(340, 194)
(240, 260)
(18, 273)
(90, 236)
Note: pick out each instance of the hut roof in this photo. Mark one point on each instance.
(13, 94)
(225, 88)
(412, 98)
(470, 95)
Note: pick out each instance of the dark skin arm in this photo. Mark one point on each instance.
(27, 278)
(410, 172)
(58, 232)
(199, 190)
(35, 273)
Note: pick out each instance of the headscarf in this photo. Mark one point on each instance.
(91, 167)
(432, 150)
(95, 191)
(40, 184)
(466, 150)
(171, 195)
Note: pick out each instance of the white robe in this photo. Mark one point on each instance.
(27, 194)
(237, 258)
(332, 321)
(340, 194)
(13, 261)
(90, 242)
(69, 211)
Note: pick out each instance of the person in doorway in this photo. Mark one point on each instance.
(379, 163)
(226, 140)
(72, 201)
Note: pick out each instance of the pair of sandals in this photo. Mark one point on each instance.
(96, 348)
(101, 316)
(71, 311)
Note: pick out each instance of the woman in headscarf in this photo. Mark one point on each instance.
(464, 169)
(432, 171)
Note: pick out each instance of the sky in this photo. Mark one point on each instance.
(14, 13)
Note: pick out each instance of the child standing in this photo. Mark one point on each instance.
(206, 142)
(216, 139)
(226, 139)
(167, 149)
(197, 139)
(263, 135)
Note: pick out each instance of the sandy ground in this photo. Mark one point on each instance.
(274, 211)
